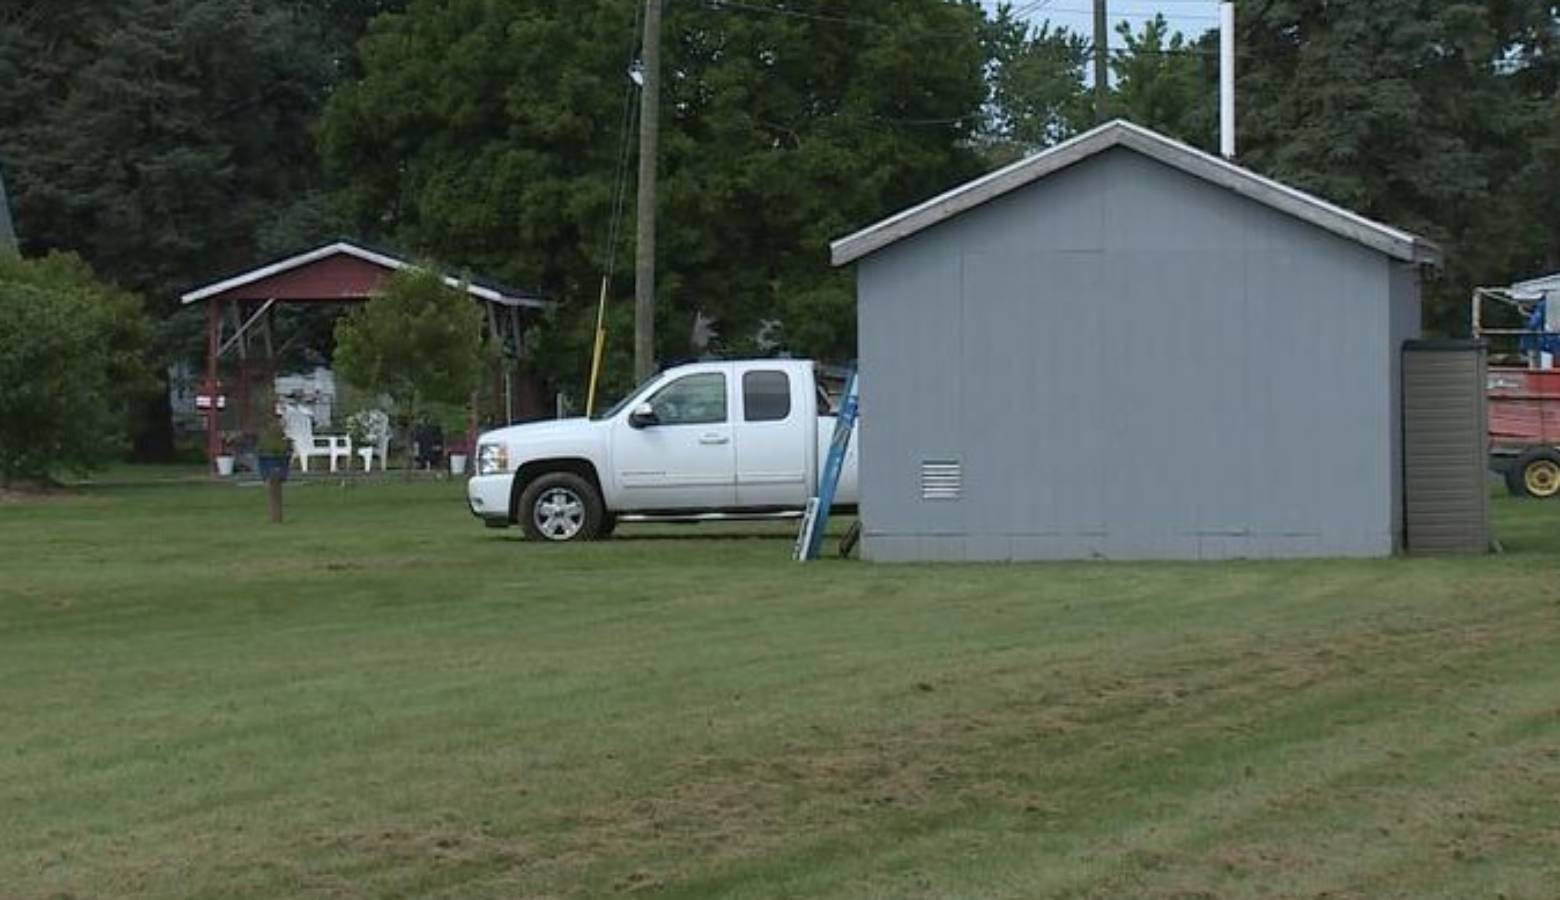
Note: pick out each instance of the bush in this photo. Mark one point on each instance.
(420, 343)
(71, 363)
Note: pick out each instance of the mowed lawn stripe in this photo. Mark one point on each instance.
(382, 699)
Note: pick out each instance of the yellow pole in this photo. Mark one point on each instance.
(600, 347)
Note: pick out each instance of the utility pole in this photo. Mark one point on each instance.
(1101, 61)
(649, 144)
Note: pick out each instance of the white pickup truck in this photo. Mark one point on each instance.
(711, 440)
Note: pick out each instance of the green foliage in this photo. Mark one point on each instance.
(420, 343)
(71, 359)
(271, 439)
(1438, 116)
(490, 132)
(1434, 115)
(1037, 91)
(154, 136)
(1167, 83)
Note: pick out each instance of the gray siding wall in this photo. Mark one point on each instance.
(1129, 363)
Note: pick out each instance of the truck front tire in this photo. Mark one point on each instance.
(559, 507)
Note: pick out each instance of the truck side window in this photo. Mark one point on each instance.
(766, 396)
(692, 400)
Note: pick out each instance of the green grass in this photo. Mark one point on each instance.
(382, 699)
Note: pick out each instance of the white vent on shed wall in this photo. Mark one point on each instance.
(941, 480)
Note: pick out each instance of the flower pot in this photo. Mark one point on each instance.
(457, 463)
(225, 466)
(275, 467)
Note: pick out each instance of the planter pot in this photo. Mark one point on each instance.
(275, 467)
(457, 463)
(225, 466)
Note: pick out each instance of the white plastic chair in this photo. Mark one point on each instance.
(298, 423)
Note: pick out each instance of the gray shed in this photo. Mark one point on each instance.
(1125, 348)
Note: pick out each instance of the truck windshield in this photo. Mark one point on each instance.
(627, 398)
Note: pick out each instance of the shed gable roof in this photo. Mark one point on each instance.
(479, 289)
(1383, 238)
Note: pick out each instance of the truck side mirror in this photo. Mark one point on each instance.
(643, 416)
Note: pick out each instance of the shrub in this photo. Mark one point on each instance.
(72, 360)
(420, 343)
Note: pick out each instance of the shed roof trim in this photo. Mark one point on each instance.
(1383, 238)
(384, 260)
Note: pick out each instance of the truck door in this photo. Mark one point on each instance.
(772, 434)
(685, 458)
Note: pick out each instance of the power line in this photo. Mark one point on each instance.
(737, 6)
(792, 13)
(626, 142)
(1038, 5)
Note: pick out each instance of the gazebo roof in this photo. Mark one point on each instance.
(342, 272)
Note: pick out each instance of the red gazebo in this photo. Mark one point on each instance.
(240, 315)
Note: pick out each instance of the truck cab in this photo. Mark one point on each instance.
(710, 440)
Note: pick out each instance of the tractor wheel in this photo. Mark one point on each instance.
(1537, 473)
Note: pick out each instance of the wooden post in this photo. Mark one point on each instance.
(273, 496)
(241, 384)
(213, 347)
(649, 147)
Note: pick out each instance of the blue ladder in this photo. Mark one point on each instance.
(809, 543)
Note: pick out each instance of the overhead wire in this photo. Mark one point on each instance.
(619, 210)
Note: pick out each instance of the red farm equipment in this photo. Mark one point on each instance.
(1524, 384)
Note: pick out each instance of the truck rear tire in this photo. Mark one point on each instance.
(1536, 474)
(559, 507)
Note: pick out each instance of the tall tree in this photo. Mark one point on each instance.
(491, 133)
(1167, 83)
(1429, 114)
(155, 135)
(1037, 91)
(168, 141)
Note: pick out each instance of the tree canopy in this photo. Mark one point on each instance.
(170, 141)
(492, 132)
(155, 136)
(1436, 116)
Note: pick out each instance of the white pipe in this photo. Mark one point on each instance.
(1227, 79)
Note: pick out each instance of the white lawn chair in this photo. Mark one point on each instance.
(298, 423)
(374, 424)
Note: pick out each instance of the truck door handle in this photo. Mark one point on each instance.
(714, 439)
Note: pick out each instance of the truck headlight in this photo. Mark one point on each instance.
(492, 459)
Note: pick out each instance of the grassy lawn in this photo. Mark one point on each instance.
(382, 699)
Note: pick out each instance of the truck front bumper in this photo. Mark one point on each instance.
(488, 498)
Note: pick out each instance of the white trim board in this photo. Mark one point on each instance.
(1536, 288)
(1382, 238)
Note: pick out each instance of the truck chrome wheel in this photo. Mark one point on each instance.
(559, 514)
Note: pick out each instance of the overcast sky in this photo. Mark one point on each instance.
(1190, 17)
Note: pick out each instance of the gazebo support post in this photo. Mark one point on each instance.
(241, 387)
(213, 337)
